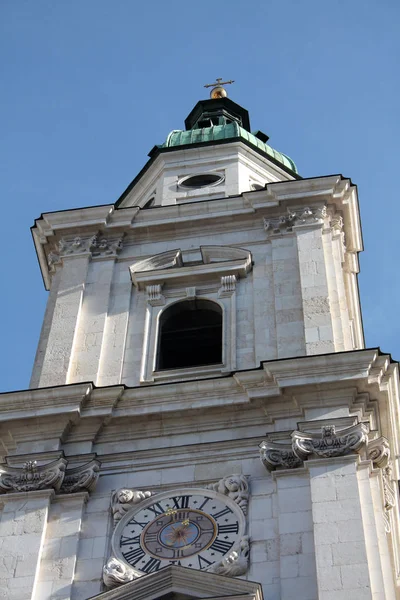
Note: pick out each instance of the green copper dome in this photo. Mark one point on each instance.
(224, 132)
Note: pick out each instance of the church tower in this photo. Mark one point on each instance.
(203, 419)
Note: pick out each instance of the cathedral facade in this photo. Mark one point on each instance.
(203, 419)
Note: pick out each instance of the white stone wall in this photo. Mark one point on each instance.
(23, 525)
(317, 531)
(307, 530)
(238, 164)
(293, 302)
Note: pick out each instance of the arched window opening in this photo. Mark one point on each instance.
(190, 335)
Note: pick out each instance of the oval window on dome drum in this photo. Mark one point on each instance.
(201, 180)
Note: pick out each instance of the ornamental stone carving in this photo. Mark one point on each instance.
(274, 456)
(228, 286)
(236, 563)
(80, 479)
(389, 494)
(328, 443)
(234, 486)
(101, 246)
(337, 224)
(97, 246)
(286, 222)
(124, 499)
(379, 452)
(32, 477)
(154, 295)
(77, 245)
(53, 259)
(116, 573)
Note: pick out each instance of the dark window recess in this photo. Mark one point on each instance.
(202, 180)
(190, 335)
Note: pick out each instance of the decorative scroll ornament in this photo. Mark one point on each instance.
(280, 224)
(101, 246)
(337, 224)
(124, 499)
(234, 486)
(83, 478)
(154, 295)
(97, 246)
(285, 223)
(389, 494)
(228, 286)
(32, 477)
(274, 456)
(236, 563)
(379, 452)
(75, 246)
(329, 443)
(116, 573)
(53, 259)
(388, 490)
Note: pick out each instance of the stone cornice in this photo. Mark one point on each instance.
(322, 368)
(41, 401)
(198, 584)
(277, 198)
(360, 380)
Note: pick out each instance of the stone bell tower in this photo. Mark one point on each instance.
(203, 419)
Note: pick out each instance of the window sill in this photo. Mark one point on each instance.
(190, 372)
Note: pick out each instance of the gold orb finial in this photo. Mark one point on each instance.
(218, 91)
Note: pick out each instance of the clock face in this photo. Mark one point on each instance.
(192, 528)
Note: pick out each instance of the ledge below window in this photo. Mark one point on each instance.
(189, 372)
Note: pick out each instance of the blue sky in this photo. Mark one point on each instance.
(89, 86)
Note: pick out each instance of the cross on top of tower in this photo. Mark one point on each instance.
(218, 90)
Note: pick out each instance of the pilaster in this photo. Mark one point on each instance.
(296, 547)
(116, 327)
(339, 537)
(287, 294)
(383, 538)
(38, 542)
(89, 340)
(62, 332)
(60, 548)
(373, 522)
(318, 329)
(23, 525)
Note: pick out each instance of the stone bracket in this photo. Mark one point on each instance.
(329, 443)
(52, 475)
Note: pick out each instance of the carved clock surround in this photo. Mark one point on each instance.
(186, 522)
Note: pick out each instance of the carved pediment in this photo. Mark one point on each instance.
(165, 260)
(204, 262)
(179, 583)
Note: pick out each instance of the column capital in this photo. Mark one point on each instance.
(316, 442)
